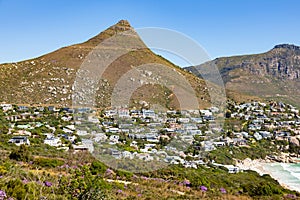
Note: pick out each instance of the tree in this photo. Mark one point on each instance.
(228, 114)
(3, 123)
(21, 154)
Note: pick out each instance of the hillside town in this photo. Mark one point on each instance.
(173, 137)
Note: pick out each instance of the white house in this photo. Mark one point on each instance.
(22, 132)
(53, 141)
(189, 127)
(257, 136)
(100, 137)
(133, 144)
(19, 140)
(196, 119)
(111, 113)
(88, 144)
(144, 156)
(206, 112)
(71, 138)
(93, 119)
(194, 132)
(123, 113)
(6, 107)
(112, 130)
(148, 113)
(66, 130)
(184, 120)
(265, 134)
(114, 139)
(82, 132)
(232, 169)
(152, 137)
(219, 144)
(148, 146)
(127, 154)
(25, 126)
(66, 118)
(214, 109)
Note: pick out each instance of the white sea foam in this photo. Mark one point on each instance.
(297, 175)
(286, 174)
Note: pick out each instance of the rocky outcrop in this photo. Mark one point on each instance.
(282, 62)
(273, 74)
(294, 141)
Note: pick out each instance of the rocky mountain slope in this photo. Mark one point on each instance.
(271, 75)
(49, 79)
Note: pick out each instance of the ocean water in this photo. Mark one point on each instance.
(285, 173)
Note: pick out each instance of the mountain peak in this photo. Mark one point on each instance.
(287, 46)
(123, 22)
(122, 25)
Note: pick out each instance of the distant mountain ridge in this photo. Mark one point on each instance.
(287, 46)
(273, 75)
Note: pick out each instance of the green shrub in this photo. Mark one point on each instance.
(48, 162)
(16, 189)
(3, 170)
(125, 174)
(97, 168)
(92, 194)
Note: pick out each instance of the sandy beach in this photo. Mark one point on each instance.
(255, 165)
(259, 166)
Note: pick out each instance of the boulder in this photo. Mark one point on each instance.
(294, 141)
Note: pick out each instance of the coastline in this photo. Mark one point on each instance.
(266, 166)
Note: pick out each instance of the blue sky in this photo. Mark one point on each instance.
(30, 28)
